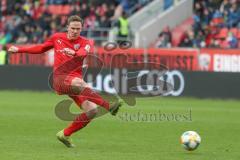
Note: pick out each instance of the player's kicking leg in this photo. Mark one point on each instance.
(87, 100)
(81, 87)
(90, 111)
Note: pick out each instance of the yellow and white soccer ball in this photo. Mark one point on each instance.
(190, 140)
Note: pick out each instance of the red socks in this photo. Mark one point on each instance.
(94, 97)
(80, 122)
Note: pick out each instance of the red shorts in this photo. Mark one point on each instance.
(62, 85)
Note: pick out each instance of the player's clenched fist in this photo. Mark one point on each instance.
(13, 49)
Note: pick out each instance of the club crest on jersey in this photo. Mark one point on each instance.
(76, 46)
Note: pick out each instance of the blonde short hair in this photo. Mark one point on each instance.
(74, 18)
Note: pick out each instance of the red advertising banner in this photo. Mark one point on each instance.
(182, 59)
(219, 60)
(213, 60)
(118, 58)
(27, 59)
(31, 59)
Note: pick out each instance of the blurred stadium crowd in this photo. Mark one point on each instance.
(32, 21)
(216, 24)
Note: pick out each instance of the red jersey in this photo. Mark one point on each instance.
(63, 64)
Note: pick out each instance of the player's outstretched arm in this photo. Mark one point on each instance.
(33, 49)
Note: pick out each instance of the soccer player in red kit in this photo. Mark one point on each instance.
(67, 77)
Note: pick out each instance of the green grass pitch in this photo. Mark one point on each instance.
(28, 126)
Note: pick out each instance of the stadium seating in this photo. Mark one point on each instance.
(211, 19)
(178, 31)
(48, 16)
(222, 33)
(59, 9)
